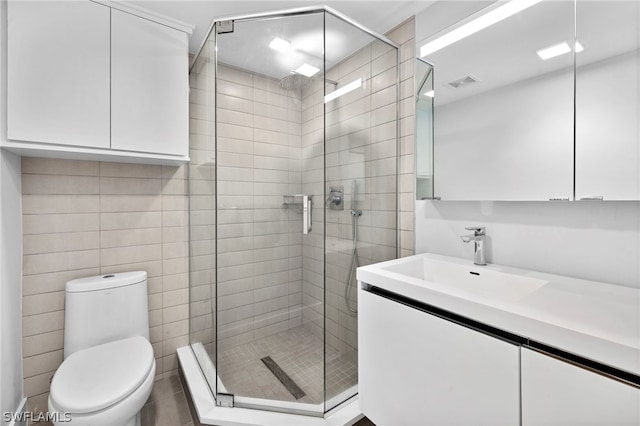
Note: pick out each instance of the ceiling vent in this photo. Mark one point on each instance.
(463, 82)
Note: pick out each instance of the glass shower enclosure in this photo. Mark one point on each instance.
(293, 184)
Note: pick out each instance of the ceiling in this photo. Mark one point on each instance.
(377, 15)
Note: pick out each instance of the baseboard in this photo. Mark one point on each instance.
(22, 407)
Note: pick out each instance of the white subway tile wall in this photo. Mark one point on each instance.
(85, 218)
(258, 157)
(202, 203)
(404, 35)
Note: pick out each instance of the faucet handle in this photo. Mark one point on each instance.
(477, 230)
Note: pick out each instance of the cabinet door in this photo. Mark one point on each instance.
(608, 100)
(418, 369)
(556, 393)
(58, 73)
(149, 86)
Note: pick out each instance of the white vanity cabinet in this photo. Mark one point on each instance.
(555, 392)
(90, 81)
(149, 86)
(419, 369)
(58, 73)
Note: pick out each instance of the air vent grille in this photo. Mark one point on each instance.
(463, 82)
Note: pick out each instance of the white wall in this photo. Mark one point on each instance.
(11, 396)
(10, 284)
(598, 241)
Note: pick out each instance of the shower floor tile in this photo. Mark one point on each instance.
(300, 354)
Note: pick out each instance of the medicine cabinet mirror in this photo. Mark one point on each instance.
(503, 103)
(424, 130)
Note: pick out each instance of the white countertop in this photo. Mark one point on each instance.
(595, 320)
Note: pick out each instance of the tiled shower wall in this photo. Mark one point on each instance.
(84, 218)
(404, 35)
(259, 241)
(202, 207)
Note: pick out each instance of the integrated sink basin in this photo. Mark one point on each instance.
(467, 281)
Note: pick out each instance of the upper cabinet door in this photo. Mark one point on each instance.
(503, 103)
(608, 100)
(58, 73)
(149, 86)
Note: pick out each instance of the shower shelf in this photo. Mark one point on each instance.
(304, 203)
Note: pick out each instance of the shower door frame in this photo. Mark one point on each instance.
(218, 387)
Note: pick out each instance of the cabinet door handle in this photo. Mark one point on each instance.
(592, 198)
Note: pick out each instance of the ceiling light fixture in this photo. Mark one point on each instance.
(280, 44)
(430, 94)
(578, 47)
(553, 51)
(478, 24)
(307, 70)
(343, 90)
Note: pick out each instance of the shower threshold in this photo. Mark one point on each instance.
(208, 413)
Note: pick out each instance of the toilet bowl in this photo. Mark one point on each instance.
(104, 385)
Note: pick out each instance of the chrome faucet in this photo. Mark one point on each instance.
(478, 243)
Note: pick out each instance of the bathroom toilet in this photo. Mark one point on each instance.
(109, 367)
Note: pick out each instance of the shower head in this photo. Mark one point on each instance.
(294, 81)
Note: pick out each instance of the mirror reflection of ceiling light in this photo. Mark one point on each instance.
(558, 49)
(307, 70)
(280, 45)
(430, 93)
(478, 24)
(343, 90)
(553, 51)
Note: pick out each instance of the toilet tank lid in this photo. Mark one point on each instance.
(102, 282)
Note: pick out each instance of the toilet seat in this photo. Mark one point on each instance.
(92, 379)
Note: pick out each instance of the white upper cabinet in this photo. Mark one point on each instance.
(149, 86)
(90, 81)
(608, 100)
(58, 73)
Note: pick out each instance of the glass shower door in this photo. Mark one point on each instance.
(269, 230)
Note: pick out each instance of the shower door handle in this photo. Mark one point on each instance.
(306, 213)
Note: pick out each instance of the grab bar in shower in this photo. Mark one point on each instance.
(304, 203)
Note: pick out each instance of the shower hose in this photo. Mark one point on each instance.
(351, 279)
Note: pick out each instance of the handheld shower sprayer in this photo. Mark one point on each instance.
(355, 263)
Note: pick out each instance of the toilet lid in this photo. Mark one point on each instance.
(95, 378)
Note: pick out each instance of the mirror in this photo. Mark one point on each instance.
(424, 130)
(503, 115)
(608, 100)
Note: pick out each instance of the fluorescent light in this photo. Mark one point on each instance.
(430, 93)
(307, 70)
(553, 51)
(280, 45)
(343, 90)
(478, 24)
(579, 48)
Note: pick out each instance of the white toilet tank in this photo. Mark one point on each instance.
(105, 308)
